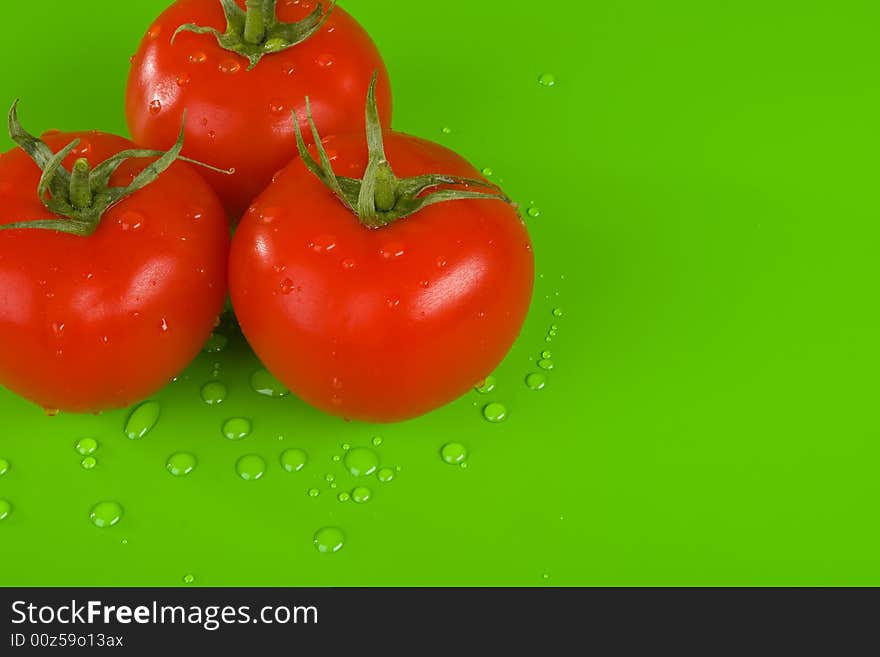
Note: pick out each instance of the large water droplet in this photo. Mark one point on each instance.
(495, 412)
(329, 539)
(361, 461)
(265, 383)
(105, 514)
(213, 393)
(86, 446)
(181, 464)
(155, 107)
(237, 428)
(142, 420)
(250, 467)
(293, 460)
(454, 453)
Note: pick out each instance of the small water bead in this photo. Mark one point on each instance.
(558, 312)
(105, 514)
(495, 412)
(334, 485)
(250, 467)
(534, 212)
(545, 364)
(237, 428)
(546, 354)
(361, 494)
(488, 172)
(229, 66)
(392, 250)
(183, 79)
(5, 509)
(314, 492)
(487, 386)
(336, 458)
(213, 393)
(216, 343)
(86, 446)
(142, 420)
(154, 32)
(361, 461)
(348, 264)
(181, 464)
(554, 327)
(188, 579)
(377, 441)
(265, 383)
(547, 80)
(329, 539)
(343, 497)
(536, 381)
(88, 463)
(329, 477)
(385, 475)
(454, 453)
(131, 221)
(286, 286)
(197, 57)
(346, 447)
(155, 107)
(324, 61)
(4, 467)
(323, 244)
(293, 460)
(446, 130)
(277, 106)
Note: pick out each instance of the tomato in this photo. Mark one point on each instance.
(100, 321)
(240, 117)
(386, 323)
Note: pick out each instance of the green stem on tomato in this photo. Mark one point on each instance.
(255, 21)
(80, 187)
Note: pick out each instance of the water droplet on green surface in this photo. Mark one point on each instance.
(454, 453)
(546, 354)
(105, 514)
(361, 494)
(214, 393)
(547, 80)
(4, 467)
(314, 492)
(5, 509)
(237, 428)
(377, 441)
(188, 579)
(446, 130)
(557, 312)
(385, 475)
(329, 539)
(534, 212)
(488, 172)
(336, 458)
(181, 463)
(343, 497)
(346, 447)
(88, 463)
(486, 386)
(265, 383)
(142, 420)
(361, 462)
(86, 446)
(216, 343)
(250, 467)
(293, 460)
(495, 412)
(536, 381)
(545, 364)
(329, 477)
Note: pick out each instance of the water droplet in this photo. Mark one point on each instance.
(142, 420)
(486, 386)
(181, 463)
(4, 467)
(88, 463)
(545, 364)
(329, 477)
(546, 354)
(197, 57)
(188, 579)
(385, 475)
(343, 497)
(163, 325)
(265, 383)
(216, 343)
(361, 461)
(446, 130)
(269, 215)
(454, 453)
(293, 460)
(86, 446)
(336, 458)
(183, 79)
(377, 440)
(547, 80)
(213, 393)
(84, 148)
(392, 303)
(105, 514)
(229, 66)
(441, 262)
(488, 172)
(286, 286)
(314, 492)
(392, 250)
(536, 381)
(130, 221)
(348, 264)
(237, 428)
(329, 539)
(495, 412)
(5, 509)
(155, 107)
(534, 212)
(250, 467)
(154, 32)
(346, 447)
(323, 244)
(361, 494)
(557, 312)
(277, 106)
(324, 61)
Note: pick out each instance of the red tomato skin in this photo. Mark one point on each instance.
(379, 325)
(243, 119)
(94, 323)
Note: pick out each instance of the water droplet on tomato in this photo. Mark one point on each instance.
(392, 303)
(86, 446)
(293, 460)
(288, 69)
(441, 262)
(130, 220)
(348, 264)
(323, 244)
(154, 32)
(495, 412)
(155, 107)
(324, 61)
(361, 494)
(237, 428)
(268, 215)
(163, 325)
(82, 149)
(229, 66)
(277, 106)
(392, 250)
(142, 420)
(57, 329)
(183, 79)
(487, 386)
(105, 514)
(536, 381)
(250, 467)
(361, 461)
(265, 383)
(213, 393)
(181, 464)
(329, 540)
(286, 286)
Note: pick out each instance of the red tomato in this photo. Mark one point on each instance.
(100, 322)
(240, 118)
(379, 324)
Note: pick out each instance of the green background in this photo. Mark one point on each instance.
(706, 173)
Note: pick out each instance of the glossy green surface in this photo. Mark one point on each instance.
(704, 177)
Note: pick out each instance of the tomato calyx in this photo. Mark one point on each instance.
(380, 197)
(255, 32)
(83, 194)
